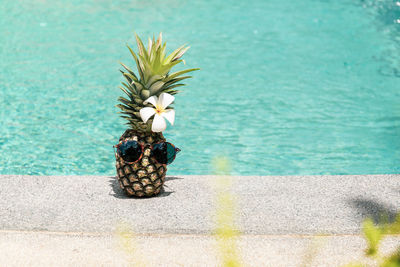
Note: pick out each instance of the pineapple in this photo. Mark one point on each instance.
(146, 177)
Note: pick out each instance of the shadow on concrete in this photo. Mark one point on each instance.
(170, 178)
(119, 193)
(378, 212)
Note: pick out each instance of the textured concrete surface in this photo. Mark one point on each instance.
(80, 249)
(285, 221)
(265, 205)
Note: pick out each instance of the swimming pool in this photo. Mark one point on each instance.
(285, 87)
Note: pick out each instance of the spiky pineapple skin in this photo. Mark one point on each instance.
(146, 177)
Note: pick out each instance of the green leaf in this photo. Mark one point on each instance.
(173, 54)
(373, 236)
(147, 69)
(392, 260)
(159, 40)
(155, 87)
(130, 76)
(145, 94)
(126, 92)
(138, 86)
(123, 107)
(157, 62)
(172, 92)
(162, 52)
(129, 70)
(142, 49)
(138, 66)
(174, 86)
(181, 53)
(171, 82)
(124, 100)
(178, 73)
(153, 79)
(150, 47)
(132, 89)
(127, 105)
(138, 101)
(167, 67)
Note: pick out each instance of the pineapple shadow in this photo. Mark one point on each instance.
(119, 193)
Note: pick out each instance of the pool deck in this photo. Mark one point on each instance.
(73, 220)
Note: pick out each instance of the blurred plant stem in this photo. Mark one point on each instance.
(126, 243)
(226, 233)
(312, 250)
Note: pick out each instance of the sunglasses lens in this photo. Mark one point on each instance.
(164, 152)
(130, 151)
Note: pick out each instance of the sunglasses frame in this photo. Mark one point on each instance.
(141, 155)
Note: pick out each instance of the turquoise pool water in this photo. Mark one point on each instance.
(286, 87)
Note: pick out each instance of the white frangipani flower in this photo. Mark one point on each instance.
(160, 110)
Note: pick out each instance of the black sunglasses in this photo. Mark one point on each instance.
(131, 151)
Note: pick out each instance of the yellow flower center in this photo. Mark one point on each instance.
(159, 110)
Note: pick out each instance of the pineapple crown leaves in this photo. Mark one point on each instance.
(154, 77)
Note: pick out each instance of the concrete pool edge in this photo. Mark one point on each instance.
(284, 220)
(266, 205)
(43, 249)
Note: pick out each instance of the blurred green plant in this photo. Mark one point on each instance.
(127, 244)
(311, 252)
(374, 234)
(225, 232)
